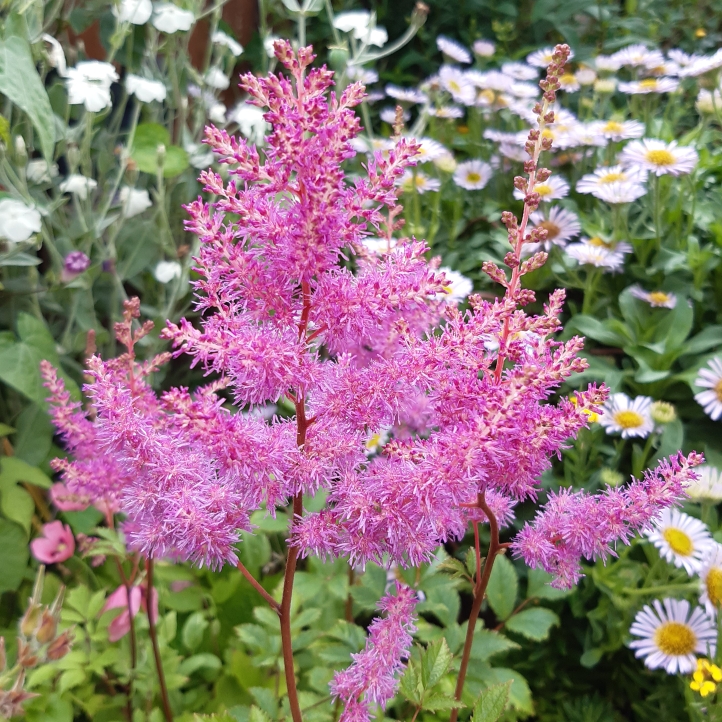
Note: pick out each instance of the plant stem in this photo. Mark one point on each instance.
(154, 640)
(285, 616)
(482, 581)
(257, 586)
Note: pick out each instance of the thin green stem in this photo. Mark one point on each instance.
(167, 712)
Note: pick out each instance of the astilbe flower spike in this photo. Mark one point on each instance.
(372, 677)
(291, 306)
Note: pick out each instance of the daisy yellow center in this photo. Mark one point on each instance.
(473, 177)
(613, 127)
(679, 541)
(612, 177)
(648, 84)
(714, 586)
(552, 229)
(454, 86)
(547, 133)
(543, 189)
(658, 297)
(629, 419)
(661, 156)
(718, 390)
(374, 441)
(599, 242)
(675, 639)
(567, 79)
(487, 95)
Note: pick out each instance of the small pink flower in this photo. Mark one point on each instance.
(56, 545)
(120, 626)
(65, 500)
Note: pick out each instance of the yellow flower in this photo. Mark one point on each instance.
(705, 678)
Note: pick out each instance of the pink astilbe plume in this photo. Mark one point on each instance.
(372, 678)
(573, 526)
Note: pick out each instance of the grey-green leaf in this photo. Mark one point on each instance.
(21, 84)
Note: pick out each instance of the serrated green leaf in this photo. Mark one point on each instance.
(197, 662)
(258, 715)
(540, 586)
(502, 589)
(453, 567)
(21, 84)
(434, 662)
(409, 686)
(14, 557)
(193, 630)
(439, 702)
(488, 643)
(493, 701)
(533, 624)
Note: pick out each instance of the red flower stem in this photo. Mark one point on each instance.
(257, 586)
(479, 592)
(154, 641)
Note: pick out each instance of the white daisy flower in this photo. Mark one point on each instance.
(472, 175)
(406, 95)
(456, 82)
(523, 90)
(169, 18)
(670, 636)
(542, 58)
(377, 246)
(569, 82)
(250, 122)
(587, 134)
(707, 103)
(225, 40)
(585, 76)
(137, 12)
(649, 85)
(134, 201)
(361, 144)
(618, 193)
(708, 486)
(519, 71)
(429, 149)
(619, 130)
(78, 185)
(453, 50)
(681, 58)
(388, 115)
(166, 271)
(659, 157)
(457, 286)
(18, 221)
(89, 84)
(446, 111)
(605, 86)
(609, 243)
(489, 80)
(419, 181)
(551, 190)
(630, 417)
(681, 539)
(711, 379)
(366, 76)
(145, 90)
(560, 224)
(702, 65)
(513, 152)
(634, 56)
(483, 48)
(587, 254)
(376, 441)
(656, 299)
(710, 580)
(608, 63)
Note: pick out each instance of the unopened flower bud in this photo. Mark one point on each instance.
(60, 646)
(663, 412)
(419, 14)
(20, 149)
(26, 657)
(29, 622)
(338, 57)
(47, 629)
(611, 477)
(160, 154)
(543, 175)
(520, 182)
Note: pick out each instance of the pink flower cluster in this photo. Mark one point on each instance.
(576, 525)
(371, 678)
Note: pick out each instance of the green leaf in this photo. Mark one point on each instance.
(197, 662)
(503, 586)
(6, 430)
(193, 630)
(14, 557)
(292, 5)
(13, 470)
(454, 568)
(409, 686)
(258, 715)
(137, 248)
(707, 339)
(21, 84)
(17, 505)
(5, 131)
(34, 435)
(488, 643)
(533, 624)
(595, 329)
(148, 136)
(439, 702)
(434, 663)
(539, 586)
(492, 703)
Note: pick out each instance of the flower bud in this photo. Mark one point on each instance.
(338, 57)
(47, 629)
(20, 150)
(611, 477)
(29, 622)
(26, 657)
(663, 412)
(60, 646)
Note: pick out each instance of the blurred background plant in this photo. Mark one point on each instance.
(104, 106)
